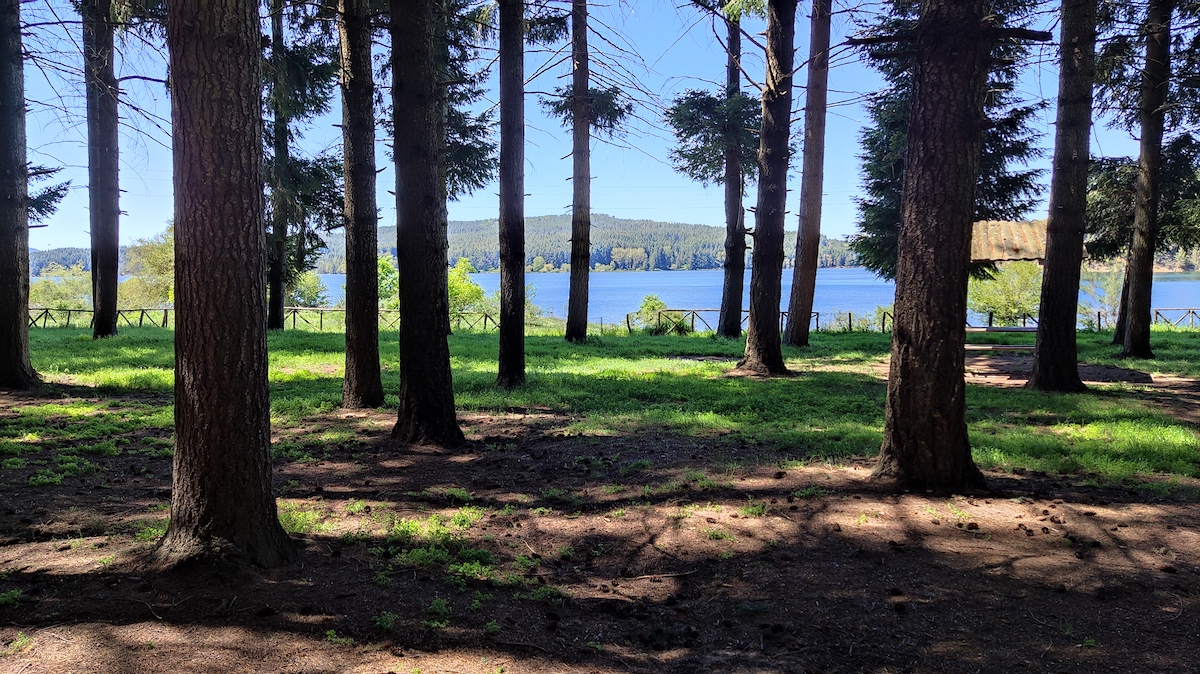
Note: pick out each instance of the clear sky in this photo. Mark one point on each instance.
(676, 49)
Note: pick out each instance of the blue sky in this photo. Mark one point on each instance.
(632, 176)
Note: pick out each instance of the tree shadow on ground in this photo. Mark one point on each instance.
(747, 568)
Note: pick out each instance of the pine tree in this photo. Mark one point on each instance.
(16, 372)
(1005, 190)
(221, 496)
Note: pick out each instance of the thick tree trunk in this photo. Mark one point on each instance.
(279, 197)
(925, 443)
(1140, 269)
(104, 192)
(15, 369)
(362, 386)
(426, 388)
(812, 179)
(581, 176)
(221, 500)
(763, 352)
(512, 194)
(729, 323)
(1055, 366)
(1122, 310)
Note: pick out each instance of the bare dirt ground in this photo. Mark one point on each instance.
(646, 553)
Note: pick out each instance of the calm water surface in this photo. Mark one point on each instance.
(855, 290)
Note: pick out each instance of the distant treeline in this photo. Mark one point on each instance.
(616, 244)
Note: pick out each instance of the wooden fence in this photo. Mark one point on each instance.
(322, 319)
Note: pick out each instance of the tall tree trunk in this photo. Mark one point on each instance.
(15, 369)
(279, 196)
(581, 176)
(729, 323)
(426, 388)
(1140, 269)
(221, 497)
(104, 192)
(925, 443)
(362, 386)
(812, 179)
(1055, 359)
(512, 194)
(1122, 309)
(763, 352)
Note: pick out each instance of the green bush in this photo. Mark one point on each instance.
(1012, 292)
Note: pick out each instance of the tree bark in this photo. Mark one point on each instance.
(104, 191)
(279, 199)
(763, 352)
(812, 179)
(16, 372)
(925, 442)
(221, 499)
(729, 323)
(581, 176)
(1055, 358)
(426, 387)
(362, 386)
(512, 194)
(1140, 268)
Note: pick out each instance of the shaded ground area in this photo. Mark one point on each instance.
(687, 526)
(537, 552)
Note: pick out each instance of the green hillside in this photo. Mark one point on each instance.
(616, 244)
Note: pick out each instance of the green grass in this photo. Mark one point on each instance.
(615, 385)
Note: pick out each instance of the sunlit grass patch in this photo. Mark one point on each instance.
(296, 519)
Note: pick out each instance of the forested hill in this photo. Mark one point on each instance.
(616, 244)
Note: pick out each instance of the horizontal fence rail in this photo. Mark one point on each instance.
(666, 320)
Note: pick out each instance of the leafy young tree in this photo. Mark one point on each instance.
(16, 372)
(59, 287)
(221, 496)
(308, 291)
(1006, 188)
(1009, 295)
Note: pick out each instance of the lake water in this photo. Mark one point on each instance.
(854, 289)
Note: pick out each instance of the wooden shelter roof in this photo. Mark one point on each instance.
(1004, 240)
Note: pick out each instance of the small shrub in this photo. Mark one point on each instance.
(717, 534)
(332, 637)
(11, 597)
(384, 621)
(148, 532)
(296, 520)
(45, 478)
(439, 609)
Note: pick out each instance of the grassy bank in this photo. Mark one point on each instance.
(617, 385)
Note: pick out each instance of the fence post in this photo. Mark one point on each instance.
(628, 324)
(693, 321)
(320, 321)
(849, 321)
